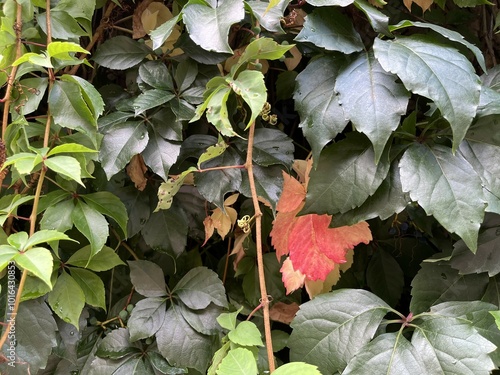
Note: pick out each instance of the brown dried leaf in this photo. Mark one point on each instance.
(137, 28)
(136, 169)
(283, 312)
(424, 4)
(292, 62)
(209, 228)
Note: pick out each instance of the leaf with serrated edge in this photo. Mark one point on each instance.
(322, 116)
(156, 74)
(445, 76)
(167, 231)
(91, 285)
(67, 299)
(67, 166)
(92, 224)
(117, 345)
(446, 187)
(38, 261)
(246, 334)
(146, 318)
(297, 368)
(160, 154)
(162, 32)
(121, 52)
(199, 287)
(151, 99)
(90, 94)
(208, 25)
(238, 361)
(378, 20)
(102, 261)
(332, 328)
(110, 205)
(147, 278)
(372, 99)
(7, 253)
(269, 14)
(330, 29)
(43, 236)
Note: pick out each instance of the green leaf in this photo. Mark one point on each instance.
(18, 240)
(322, 116)
(166, 231)
(67, 166)
(200, 287)
(102, 261)
(372, 99)
(269, 14)
(91, 285)
(437, 283)
(160, 154)
(447, 33)
(91, 96)
(330, 29)
(385, 202)
(92, 224)
(30, 100)
(239, 361)
(67, 299)
(69, 148)
(110, 205)
(162, 365)
(217, 112)
(486, 259)
(62, 50)
(219, 355)
(169, 188)
(271, 146)
(69, 109)
(165, 123)
(204, 320)
(389, 353)
(345, 177)
(228, 320)
(446, 187)
(7, 253)
(208, 25)
(378, 20)
(10, 203)
(384, 277)
(185, 74)
(445, 76)
(151, 99)
(268, 183)
(156, 74)
(332, 328)
(43, 236)
(297, 368)
(120, 143)
(146, 318)
(117, 345)
(24, 162)
(246, 334)
(35, 317)
(496, 315)
(148, 278)
(445, 338)
(212, 152)
(38, 261)
(322, 3)
(176, 335)
(162, 32)
(121, 52)
(63, 25)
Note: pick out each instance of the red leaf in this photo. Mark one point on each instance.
(315, 248)
(282, 227)
(292, 196)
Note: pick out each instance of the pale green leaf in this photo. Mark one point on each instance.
(38, 261)
(297, 368)
(18, 240)
(7, 253)
(169, 188)
(228, 320)
(444, 75)
(91, 285)
(121, 52)
(208, 25)
(33, 93)
(162, 32)
(446, 187)
(43, 236)
(212, 152)
(246, 334)
(372, 99)
(239, 361)
(58, 216)
(62, 50)
(330, 29)
(13, 202)
(69, 148)
(67, 166)
(102, 261)
(269, 14)
(92, 224)
(67, 299)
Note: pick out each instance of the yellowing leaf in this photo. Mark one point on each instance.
(292, 279)
(222, 221)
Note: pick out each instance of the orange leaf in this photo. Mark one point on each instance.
(315, 248)
(292, 279)
(282, 227)
(209, 228)
(292, 196)
(283, 312)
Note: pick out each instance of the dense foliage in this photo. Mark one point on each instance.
(242, 187)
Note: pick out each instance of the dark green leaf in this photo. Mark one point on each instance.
(102, 261)
(445, 76)
(138, 208)
(151, 99)
(239, 361)
(345, 177)
(35, 317)
(385, 277)
(160, 154)
(322, 116)
(182, 109)
(437, 283)
(322, 3)
(389, 353)
(146, 318)
(62, 25)
(181, 345)
(203, 321)
(165, 123)
(91, 285)
(387, 200)
(121, 52)
(115, 118)
(117, 345)
(67, 299)
(271, 146)
(69, 109)
(330, 29)
(156, 74)
(208, 25)
(268, 183)
(492, 292)
(200, 287)
(372, 99)
(110, 205)
(486, 259)
(483, 131)
(185, 74)
(332, 328)
(148, 278)
(378, 20)
(120, 144)
(89, 93)
(446, 187)
(92, 224)
(166, 231)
